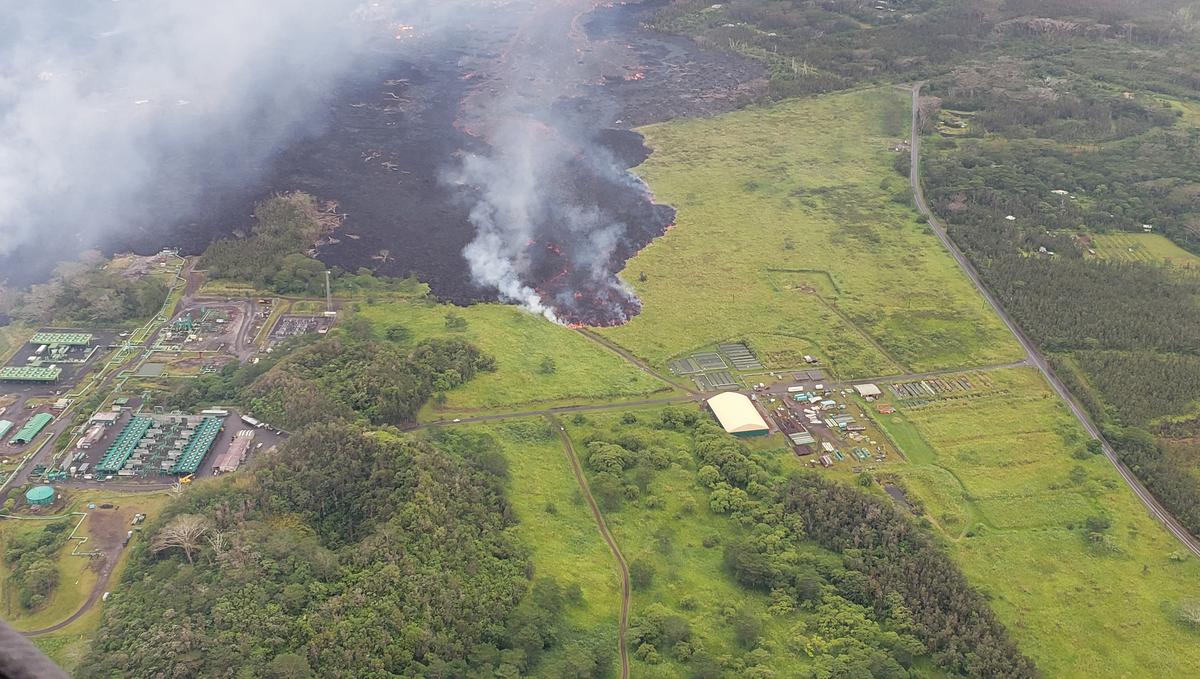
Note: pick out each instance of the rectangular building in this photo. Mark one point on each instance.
(32, 428)
(68, 339)
(29, 374)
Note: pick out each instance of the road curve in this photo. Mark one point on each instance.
(623, 624)
(1034, 356)
(97, 591)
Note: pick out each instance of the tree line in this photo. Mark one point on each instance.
(32, 562)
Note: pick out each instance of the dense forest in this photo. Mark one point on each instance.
(883, 597)
(815, 46)
(351, 551)
(348, 375)
(32, 561)
(346, 554)
(275, 255)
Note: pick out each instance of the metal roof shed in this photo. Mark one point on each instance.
(868, 391)
(737, 414)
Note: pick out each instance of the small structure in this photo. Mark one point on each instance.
(107, 418)
(885, 409)
(737, 414)
(90, 438)
(40, 496)
(5, 427)
(868, 391)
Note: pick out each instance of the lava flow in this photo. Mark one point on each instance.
(556, 210)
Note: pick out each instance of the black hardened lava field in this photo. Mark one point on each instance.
(399, 150)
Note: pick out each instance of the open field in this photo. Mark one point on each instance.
(558, 527)
(794, 233)
(671, 527)
(76, 578)
(1147, 248)
(997, 475)
(521, 343)
(12, 337)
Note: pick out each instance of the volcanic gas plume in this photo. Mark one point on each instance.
(554, 210)
(458, 136)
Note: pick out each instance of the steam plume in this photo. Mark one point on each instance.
(120, 114)
(547, 193)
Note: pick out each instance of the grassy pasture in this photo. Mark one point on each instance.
(794, 233)
(521, 343)
(998, 478)
(670, 533)
(558, 526)
(1146, 248)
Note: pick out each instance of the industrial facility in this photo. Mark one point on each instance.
(40, 496)
(160, 444)
(737, 414)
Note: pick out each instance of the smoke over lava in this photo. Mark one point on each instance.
(460, 136)
(554, 209)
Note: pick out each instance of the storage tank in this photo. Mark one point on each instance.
(40, 495)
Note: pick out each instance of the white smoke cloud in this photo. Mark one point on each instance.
(119, 114)
(537, 187)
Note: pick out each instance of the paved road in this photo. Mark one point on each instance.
(97, 592)
(623, 625)
(1034, 356)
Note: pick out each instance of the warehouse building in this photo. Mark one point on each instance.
(30, 374)
(5, 427)
(32, 428)
(868, 391)
(235, 454)
(737, 414)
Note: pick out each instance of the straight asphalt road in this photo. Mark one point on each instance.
(1034, 356)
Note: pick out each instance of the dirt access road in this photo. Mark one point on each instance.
(1031, 352)
(623, 626)
(106, 534)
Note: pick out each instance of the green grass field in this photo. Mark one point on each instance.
(1146, 248)
(668, 527)
(557, 525)
(670, 533)
(997, 476)
(520, 343)
(75, 581)
(788, 236)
